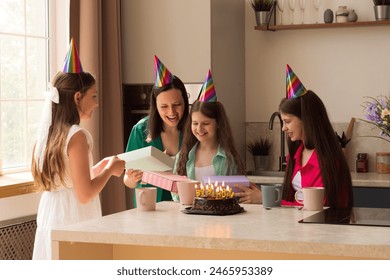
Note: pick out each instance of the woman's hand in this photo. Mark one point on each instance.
(132, 177)
(249, 195)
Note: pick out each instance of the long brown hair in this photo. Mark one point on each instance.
(319, 135)
(155, 124)
(64, 115)
(214, 110)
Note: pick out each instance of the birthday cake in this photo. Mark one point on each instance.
(215, 206)
(219, 201)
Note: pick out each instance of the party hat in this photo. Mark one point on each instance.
(207, 93)
(72, 62)
(162, 74)
(294, 87)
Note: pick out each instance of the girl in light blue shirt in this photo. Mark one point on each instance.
(208, 146)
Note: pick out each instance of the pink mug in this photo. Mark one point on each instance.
(146, 198)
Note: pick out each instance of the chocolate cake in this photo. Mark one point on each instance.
(213, 206)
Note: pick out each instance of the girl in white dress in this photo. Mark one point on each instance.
(62, 163)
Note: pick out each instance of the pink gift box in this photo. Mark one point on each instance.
(229, 180)
(164, 180)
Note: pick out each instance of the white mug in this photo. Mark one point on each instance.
(313, 198)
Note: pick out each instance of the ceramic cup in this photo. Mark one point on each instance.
(272, 195)
(146, 198)
(186, 190)
(312, 198)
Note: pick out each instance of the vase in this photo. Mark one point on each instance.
(382, 12)
(342, 14)
(352, 16)
(261, 162)
(262, 17)
(328, 16)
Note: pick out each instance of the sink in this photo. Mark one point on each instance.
(268, 173)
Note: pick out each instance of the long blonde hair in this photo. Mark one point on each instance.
(64, 115)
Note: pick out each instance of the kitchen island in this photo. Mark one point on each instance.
(168, 233)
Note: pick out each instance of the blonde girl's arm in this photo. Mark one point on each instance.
(86, 188)
(98, 167)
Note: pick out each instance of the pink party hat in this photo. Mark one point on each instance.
(294, 87)
(162, 74)
(72, 62)
(207, 93)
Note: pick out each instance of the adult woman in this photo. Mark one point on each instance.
(163, 127)
(315, 156)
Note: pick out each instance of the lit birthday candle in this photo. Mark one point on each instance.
(223, 192)
(197, 191)
(218, 193)
(230, 192)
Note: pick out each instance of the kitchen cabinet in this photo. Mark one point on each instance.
(322, 25)
(371, 197)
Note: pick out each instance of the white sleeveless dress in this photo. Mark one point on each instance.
(60, 207)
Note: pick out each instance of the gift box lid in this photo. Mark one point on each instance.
(164, 180)
(148, 159)
(229, 180)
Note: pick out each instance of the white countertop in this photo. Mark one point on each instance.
(257, 229)
(371, 179)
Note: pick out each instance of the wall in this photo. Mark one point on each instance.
(342, 65)
(178, 32)
(228, 63)
(19, 206)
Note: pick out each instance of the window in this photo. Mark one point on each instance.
(24, 75)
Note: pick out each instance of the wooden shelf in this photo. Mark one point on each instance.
(323, 25)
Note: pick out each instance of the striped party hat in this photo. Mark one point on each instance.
(162, 74)
(207, 93)
(72, 62)
(294, 87)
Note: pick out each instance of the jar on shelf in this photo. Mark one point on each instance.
(352, 16)
(361, 163)
(383, 163)
(342, 14)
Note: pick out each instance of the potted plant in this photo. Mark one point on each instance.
(263, 10)
(382, 9)
(260, 149)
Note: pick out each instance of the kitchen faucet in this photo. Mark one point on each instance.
(282, 158)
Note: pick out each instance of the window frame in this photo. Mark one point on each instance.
(21, 183)
(56, 42)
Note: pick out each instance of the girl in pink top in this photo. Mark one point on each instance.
(315, 156)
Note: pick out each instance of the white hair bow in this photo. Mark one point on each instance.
(43, 130)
